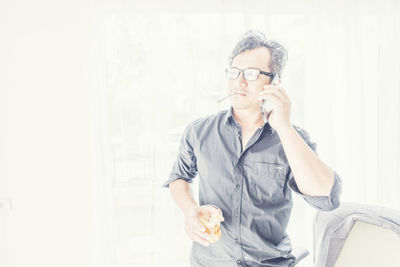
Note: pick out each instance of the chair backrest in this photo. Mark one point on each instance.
(370, 245)
(357, 233)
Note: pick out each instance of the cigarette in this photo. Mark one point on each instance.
(222, 99)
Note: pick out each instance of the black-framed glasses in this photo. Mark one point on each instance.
(250, 74)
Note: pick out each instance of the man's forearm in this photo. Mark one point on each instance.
(312, 176)
(182, 194)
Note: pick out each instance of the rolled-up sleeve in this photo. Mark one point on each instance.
(185, 165)
(324, 203)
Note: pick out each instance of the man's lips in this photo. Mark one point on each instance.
(239, 92)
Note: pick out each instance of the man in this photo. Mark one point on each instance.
(248, 163)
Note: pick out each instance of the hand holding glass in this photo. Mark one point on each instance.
(211, 220)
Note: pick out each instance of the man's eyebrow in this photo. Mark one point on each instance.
(247, 67)
(260, 69)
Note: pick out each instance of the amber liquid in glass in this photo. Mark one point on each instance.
(213, 226)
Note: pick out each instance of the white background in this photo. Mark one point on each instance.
(94, 96)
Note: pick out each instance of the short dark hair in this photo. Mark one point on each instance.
(253, 39)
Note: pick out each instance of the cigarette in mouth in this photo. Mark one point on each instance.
(231, 94)
(222, 99)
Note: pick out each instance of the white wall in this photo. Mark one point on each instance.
(45, 133)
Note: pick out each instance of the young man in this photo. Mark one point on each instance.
(248, 162)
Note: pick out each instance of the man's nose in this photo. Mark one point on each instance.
(240, 82)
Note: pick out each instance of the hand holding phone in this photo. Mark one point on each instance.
(267, 105)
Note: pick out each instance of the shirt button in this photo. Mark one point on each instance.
(237, 186)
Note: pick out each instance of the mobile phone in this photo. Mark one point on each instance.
(267, 105)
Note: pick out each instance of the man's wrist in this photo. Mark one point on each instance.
(284, 131)
(188, 208)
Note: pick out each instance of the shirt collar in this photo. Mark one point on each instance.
(229, 116)
(230, 119)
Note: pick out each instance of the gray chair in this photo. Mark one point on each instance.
(357, 235)
(300, 253)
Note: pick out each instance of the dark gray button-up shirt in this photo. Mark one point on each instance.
(251, 185)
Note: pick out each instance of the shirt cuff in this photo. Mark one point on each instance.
(173, 178)
(324, 203)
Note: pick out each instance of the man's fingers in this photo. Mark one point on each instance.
(205, 212)
(274, 99)
(273, 91)
(199, 226)
(200, 240)
(283, 91)
(203, 235)
(198, 236)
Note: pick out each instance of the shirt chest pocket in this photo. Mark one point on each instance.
(267, 181)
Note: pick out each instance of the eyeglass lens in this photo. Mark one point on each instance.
(249, 74)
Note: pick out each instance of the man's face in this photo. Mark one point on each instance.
(256, 58)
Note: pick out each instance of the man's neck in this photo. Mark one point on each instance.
(249, 118)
